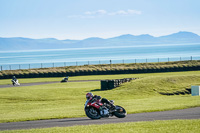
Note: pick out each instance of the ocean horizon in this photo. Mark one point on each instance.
(100, 55)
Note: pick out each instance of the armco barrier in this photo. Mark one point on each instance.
(99, 72)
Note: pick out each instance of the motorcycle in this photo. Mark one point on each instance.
(98, 110)
(15, 82)
(64, 79)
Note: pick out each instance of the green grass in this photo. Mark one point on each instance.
(64, 100)
(173, 126)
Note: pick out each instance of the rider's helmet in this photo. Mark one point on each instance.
(89, 95)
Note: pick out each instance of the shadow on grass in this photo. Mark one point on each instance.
(96, 90)
(187, 91)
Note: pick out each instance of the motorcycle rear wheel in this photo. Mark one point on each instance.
(92, 113)
(120, 112)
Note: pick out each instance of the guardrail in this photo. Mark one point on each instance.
(36, 74)
(78, 63)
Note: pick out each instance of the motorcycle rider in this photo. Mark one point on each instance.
(65, 79)
(94, 98)
(14, 79)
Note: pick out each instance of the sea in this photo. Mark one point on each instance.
(27, 59)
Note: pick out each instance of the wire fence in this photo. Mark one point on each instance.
(100, 62)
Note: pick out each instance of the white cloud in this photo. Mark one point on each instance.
(100, 13)
(88, 13)
(134, 12)
(121, 12)
(126, 12)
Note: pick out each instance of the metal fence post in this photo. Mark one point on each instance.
(45, 65)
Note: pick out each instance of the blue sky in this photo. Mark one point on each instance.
(80, 19)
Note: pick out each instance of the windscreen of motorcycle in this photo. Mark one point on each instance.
(86, 102)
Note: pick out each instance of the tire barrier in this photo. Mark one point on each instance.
(111, 84)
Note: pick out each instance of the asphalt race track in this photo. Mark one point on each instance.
(191, 113)
(42, 83)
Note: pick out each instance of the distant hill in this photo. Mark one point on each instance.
(20, 43)
(181, 37)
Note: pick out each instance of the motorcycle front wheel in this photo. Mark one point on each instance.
(92, 113)
(120, 112)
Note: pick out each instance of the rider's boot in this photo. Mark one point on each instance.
(112, 109)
